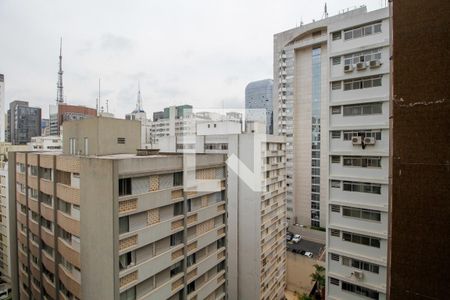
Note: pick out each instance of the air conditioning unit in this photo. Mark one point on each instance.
(361, 66)
(358, 275)
(369, 140)
(356, 140)
(374, 63)
(348, 68)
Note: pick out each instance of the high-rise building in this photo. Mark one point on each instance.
(65, 112)
(2, 108)
(5, 237)
(115, 225)
(337, 129)
(258, 103)
(256, 261)
(24, 122)
(420, 152)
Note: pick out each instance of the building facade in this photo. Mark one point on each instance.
(5, 237)
(24, 122)
(64, 112)
(420, 152)
(114, 225)
(258, 103)
(2, 108)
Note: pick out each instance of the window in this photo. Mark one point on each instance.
(337, 35)
(361, 239)
(336, 60)
(126, 260)
(124, 186)
(72, 146)
(334, 256)
(64, 206)
(362, 161)
(191, 259)
(356, 289)
(178, 208)
(362, 187)
(335, 232)
(363, 109)
(34, 170)
(336, 134)
(191, 287)
(335, 208)
(335, 159)
(176, 238)
(336, 110)
(335, 184)
(65, 235)
(336, 85)
(129, 294)
(364, 133)
(359, 264)
(121, 140)
(360, 213)
(361, 31)
(362, 83)
(178, 179)
(175, 269)
(124, 224)
(334, 281)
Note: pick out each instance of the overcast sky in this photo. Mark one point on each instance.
(198, 52)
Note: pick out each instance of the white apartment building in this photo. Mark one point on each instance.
(2, 108)
(256, 249)
(332, 103)
(5, 238)
(45, 143)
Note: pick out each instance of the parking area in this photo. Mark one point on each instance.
(307, 246)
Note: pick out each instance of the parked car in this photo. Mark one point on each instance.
(289, 236)
(309, 254)
(296, 238)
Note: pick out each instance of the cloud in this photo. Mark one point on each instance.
(115, 43)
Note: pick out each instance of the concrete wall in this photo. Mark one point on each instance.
(99, 244)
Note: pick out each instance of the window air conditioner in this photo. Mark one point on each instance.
(361, 66)
(369, 140)
(358, 275)
(375, 63)
(348, 68)
(356, 140)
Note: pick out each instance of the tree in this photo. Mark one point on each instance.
(319, 277)
(305, 297)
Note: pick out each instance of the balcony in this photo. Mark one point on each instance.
(68, 193)
(68, 223)
(20, 197)
(48, 237)
(206, 263)
(48, 286)
(209, 287)
(48, 262)
(46, 186)
(206, 213)
(208, 237)
(69, 281)
(47, 212)
(166, 290)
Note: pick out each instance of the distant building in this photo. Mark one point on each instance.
(102, 221)
(24, 122)
(45, 143)
(258, 102)
(64, 112)
(140, 115)
(2, 108)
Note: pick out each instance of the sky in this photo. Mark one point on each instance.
(198, 52)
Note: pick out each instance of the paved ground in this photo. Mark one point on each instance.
(306, 245)
(309, 234)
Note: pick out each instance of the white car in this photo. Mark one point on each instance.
(296, 238)
(309, 254)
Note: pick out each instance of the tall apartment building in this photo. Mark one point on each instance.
(258, 103)
(105, 224)
(24, 122)
(420, 152)
(5, 238)
(333, 106)
(256, 261)
(2, 108)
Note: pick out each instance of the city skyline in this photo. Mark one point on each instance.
(89, 48)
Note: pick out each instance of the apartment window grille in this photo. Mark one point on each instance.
(121, 140)
(363, 109)
(361, 265)
(364, 133)
(364, 56)
(336, 134)
(337, 35)
(362, 187)
(362, 161)
(124, 186)
(315, 205)
(336, 184)
(315, 180)
(315, 171)
(335, 159)
(334, 256)
(359, 290)
(315, 197)
(362, 31)
(315, 188)
(361, 239)
(336, 110)
(336, 61)
(334, 281)
(361, 213)
(335, 208)
(362, 83)
(335, 232)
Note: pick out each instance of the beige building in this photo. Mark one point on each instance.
(110, 223)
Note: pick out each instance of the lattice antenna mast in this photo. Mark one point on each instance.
(139, 98)
(59, 85)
